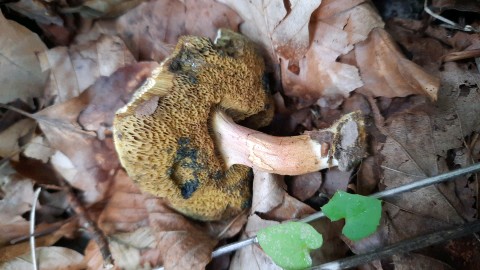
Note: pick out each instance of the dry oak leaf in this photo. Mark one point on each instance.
(91, 154)
(75, 68)
(16, 200)
(151, 29)
(131, 250)
(39, 11)
(281, 27)
(387, 73)
(48, 258)
(183, 243)
(11, 137)
(21, 76)
(156, 234)
(103, 8)
(336, 27)
(417, 146)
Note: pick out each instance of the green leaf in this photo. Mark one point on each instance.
(362, 214)
(289, 244)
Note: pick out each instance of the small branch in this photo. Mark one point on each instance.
(32, 228)
(404, 246)
(92, 228)
(449, 23)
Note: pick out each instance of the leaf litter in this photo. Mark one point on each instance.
(333, 57)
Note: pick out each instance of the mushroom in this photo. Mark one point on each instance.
(178, 137)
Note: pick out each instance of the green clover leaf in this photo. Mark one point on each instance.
(362, 214)
(289, 244)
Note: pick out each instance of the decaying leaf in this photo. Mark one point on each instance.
(39, 148)
(16, 200)
(11, 138)
(281, 27)
(387, 73)
(91, 157)
(74, 69)
(417, 146)
(21, 75)
(337, 28)
(151, 29)
(39, 11)
(103, 8)
(48, 258)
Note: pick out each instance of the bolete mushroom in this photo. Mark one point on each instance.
(178, 138)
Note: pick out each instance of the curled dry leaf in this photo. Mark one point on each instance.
(387, 73)
(74, 69)
(16, 200)
(281, 27)
(125, 207)
(11, 138)
(21, 75)
(182, 244)
(151, 29)
(336, 29)
(39, 148)
(132, 250)
(48, 258)
(39, 11)
(103, 8)
(417, 145)
(304, 186)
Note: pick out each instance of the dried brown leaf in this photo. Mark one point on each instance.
(418, 261)
(183, 244)
(16, 200)
(49, 258)
(335, 180)
(103, 8)
(305, 186)
(336, 29)
(38, 148)
(417, 145)
(125, 207)
(21, 75)
(281, 27)
(151, 29)
(387, 73)
(77, 67)
(39, 11)
(91, 157)
(11, 138)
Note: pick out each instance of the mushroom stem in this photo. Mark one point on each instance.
(342, 145)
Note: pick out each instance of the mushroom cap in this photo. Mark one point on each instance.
(163, 135)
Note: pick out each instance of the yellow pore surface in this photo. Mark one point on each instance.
(163, 135)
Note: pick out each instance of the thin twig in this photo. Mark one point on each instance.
(449, 23)
(92, 228)
(403, 246)
(32, 228)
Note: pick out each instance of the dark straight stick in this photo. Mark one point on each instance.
(403, 246)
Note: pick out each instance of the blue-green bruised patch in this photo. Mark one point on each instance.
(218, 175)
(247, 203)
(189, 187)
(266, 83)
